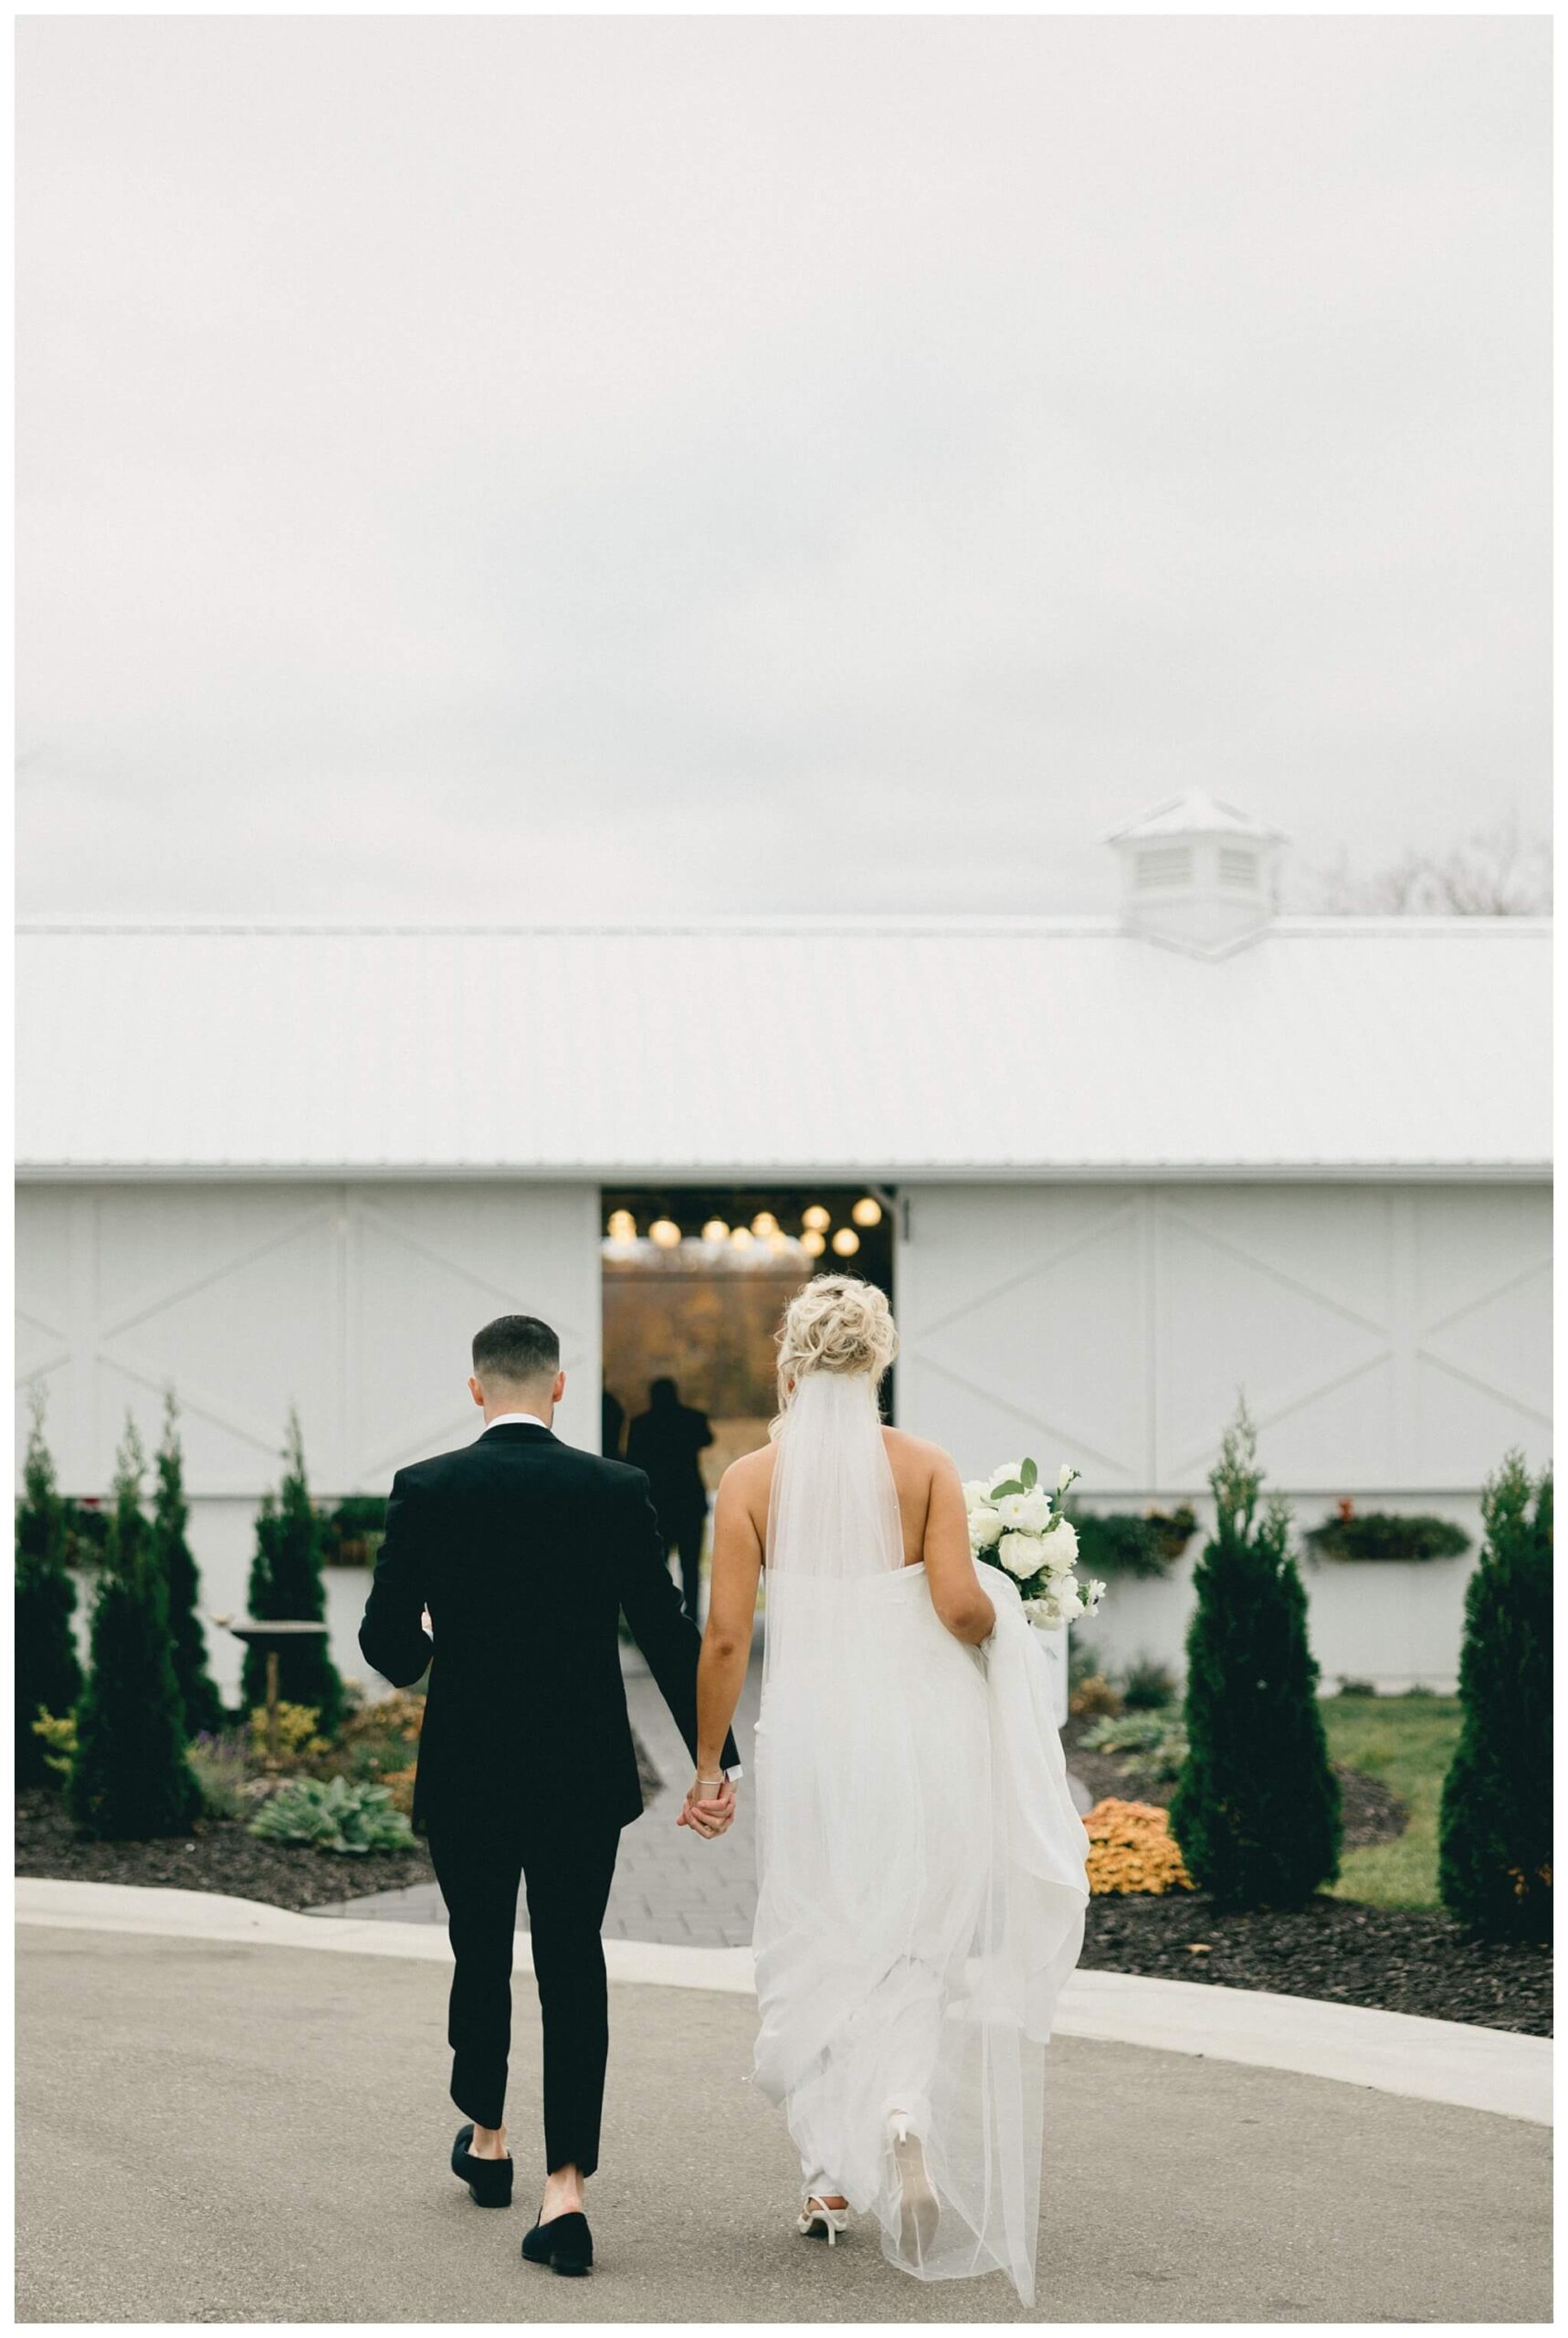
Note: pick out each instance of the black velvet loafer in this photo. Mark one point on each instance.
(488, 2180)
(564, 2244)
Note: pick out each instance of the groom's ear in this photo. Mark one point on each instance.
(476, 1392)
(560, 1388)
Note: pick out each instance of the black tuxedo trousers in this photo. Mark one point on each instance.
(526, 1553)
(567, 1871)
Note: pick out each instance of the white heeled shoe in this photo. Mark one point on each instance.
(918, 2209)
(817, 2217)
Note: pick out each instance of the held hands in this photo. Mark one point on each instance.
(710, 1806)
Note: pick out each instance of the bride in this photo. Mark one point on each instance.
(920, 1866)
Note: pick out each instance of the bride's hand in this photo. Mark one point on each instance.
(709, 1807)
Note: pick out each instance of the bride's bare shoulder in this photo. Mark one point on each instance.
(916, 1455)
(749, 1472)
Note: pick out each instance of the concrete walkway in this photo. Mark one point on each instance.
(1456, 2063)
(269, 2128)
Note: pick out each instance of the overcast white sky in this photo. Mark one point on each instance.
(505, 468)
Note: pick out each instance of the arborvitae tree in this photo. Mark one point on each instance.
(171, 1516)
(1494, 1870)
(1256, 1809)
(287, 1586)
(48, 1674)
(130, 1779)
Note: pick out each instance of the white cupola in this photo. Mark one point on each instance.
(1198, 874)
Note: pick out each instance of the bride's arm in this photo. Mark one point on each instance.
(731, 1606)
(957, 1593)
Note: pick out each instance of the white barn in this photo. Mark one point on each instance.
(1138, 1162)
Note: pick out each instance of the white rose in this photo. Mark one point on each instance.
(1065, 1596)
(1058, 1546)
(1044, 1613)
(1035, 1511)
(1013, 1511)
(976, 1494)
(1008, 1474)
(984, 1526)
(1064, 1477)
(1020, 1555)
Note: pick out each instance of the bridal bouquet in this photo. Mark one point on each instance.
(1016, 1523)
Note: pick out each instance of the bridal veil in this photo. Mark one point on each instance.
(921, 1865)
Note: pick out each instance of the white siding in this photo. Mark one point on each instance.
(1385, 1335)
(355, 1303)
(1392, 1343)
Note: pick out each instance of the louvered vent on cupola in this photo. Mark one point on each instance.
(1198, 874)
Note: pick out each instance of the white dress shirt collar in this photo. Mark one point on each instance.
(503, 1420)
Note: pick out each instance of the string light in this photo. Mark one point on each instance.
(742, 1238)
(665, 1232)
(866, 1211)
(623, 1226)
(715, 1231)
(816, 1220)
(764, 1224)
(813, 1242)
(847, 1241)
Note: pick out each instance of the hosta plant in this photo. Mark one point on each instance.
(1157, 1742)
(334, 1815)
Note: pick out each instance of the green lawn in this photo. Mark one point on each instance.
(1408, 1743)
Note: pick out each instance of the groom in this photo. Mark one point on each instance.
(524, 1552)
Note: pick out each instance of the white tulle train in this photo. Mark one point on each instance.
(920, 1866)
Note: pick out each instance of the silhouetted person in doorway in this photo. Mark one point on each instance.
(612, 1421)
(665, 1442)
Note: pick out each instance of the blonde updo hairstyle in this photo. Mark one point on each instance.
(837, 1323)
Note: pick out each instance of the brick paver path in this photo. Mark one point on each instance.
(670, 1885)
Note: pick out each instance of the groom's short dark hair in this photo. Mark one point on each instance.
(516, 1348)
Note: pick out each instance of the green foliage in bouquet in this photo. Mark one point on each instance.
(171, 1518)
(47, 1676)
(1019, 1526)
(1494, 1870)
(287, 1587)
(1257, 1811)
(334, 1815)
(129, 1780)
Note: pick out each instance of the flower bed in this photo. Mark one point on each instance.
(1131, 1849)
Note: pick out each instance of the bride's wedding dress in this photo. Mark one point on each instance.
(920, 1866)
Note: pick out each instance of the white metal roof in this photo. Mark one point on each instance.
(1328, 1047)
(1198, 813)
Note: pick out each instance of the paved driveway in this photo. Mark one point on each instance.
(222, 2132)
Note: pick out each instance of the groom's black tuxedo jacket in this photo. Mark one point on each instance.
(526, 1551)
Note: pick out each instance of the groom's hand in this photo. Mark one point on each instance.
(708, 1811)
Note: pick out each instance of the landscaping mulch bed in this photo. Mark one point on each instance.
(1406, 1960)
(221, 1856)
